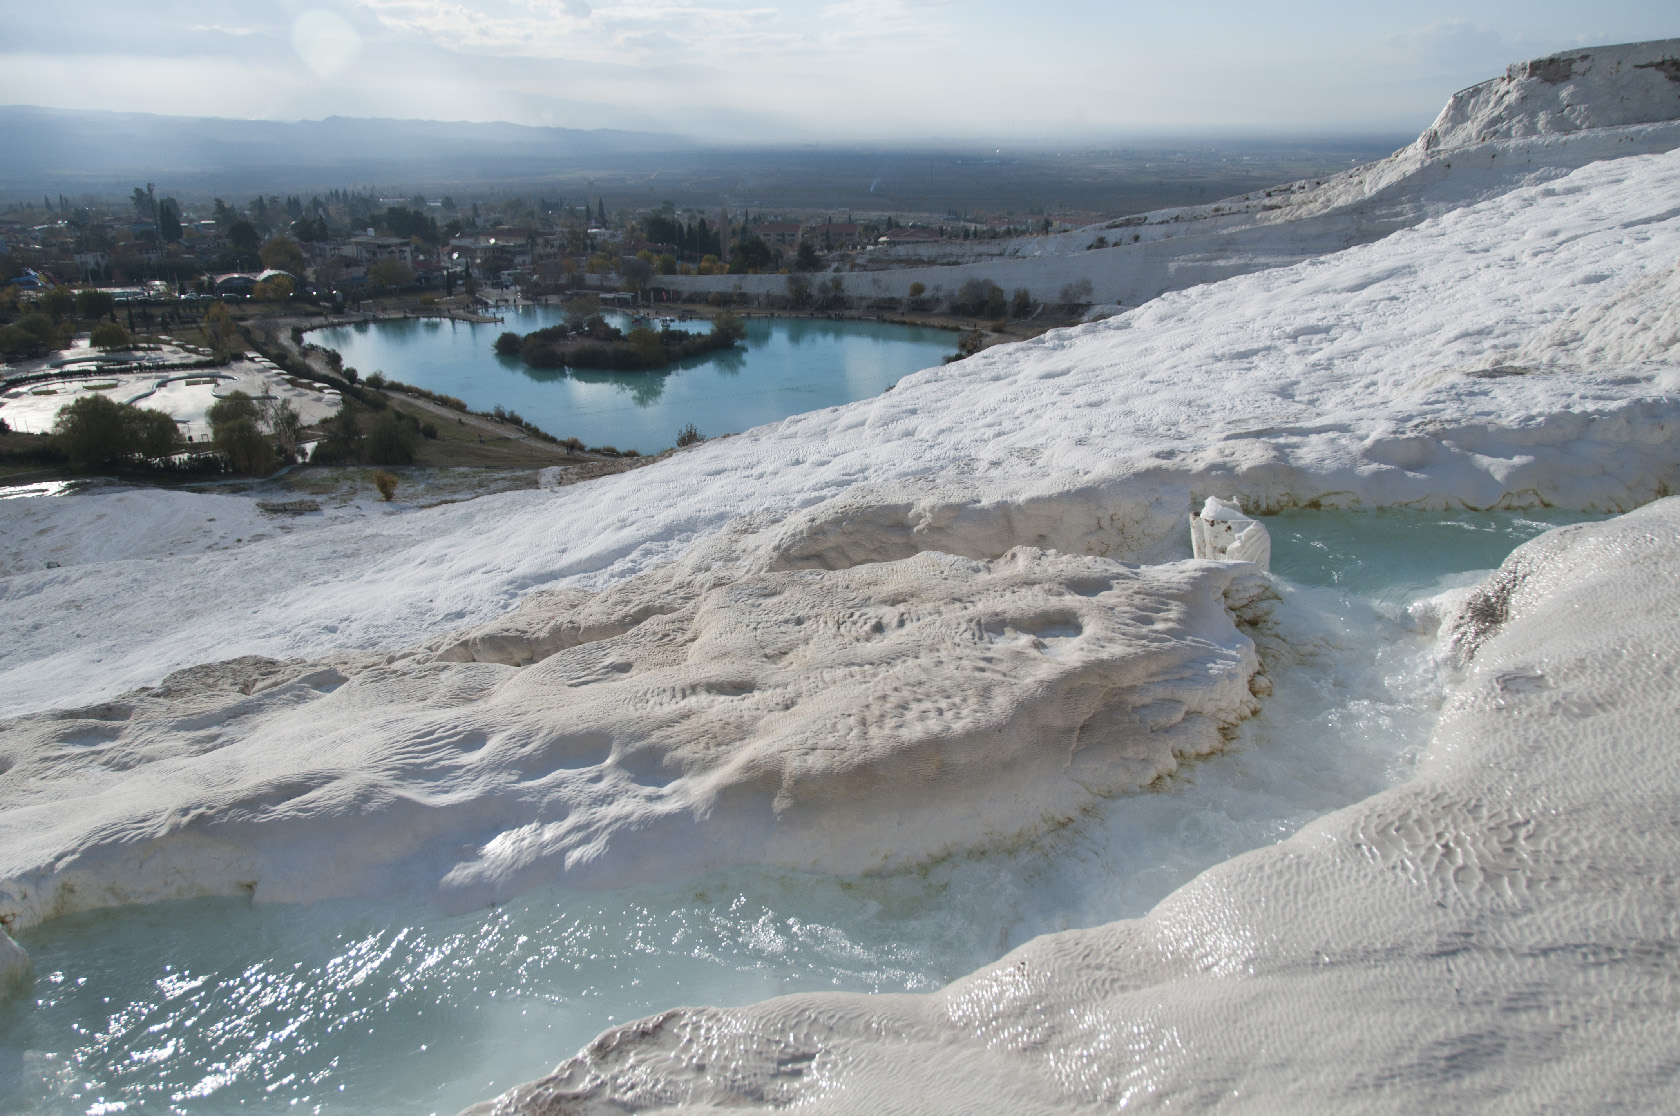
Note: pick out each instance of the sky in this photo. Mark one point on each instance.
(781, 71)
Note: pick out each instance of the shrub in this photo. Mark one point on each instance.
(508, 344)
(428, 430)
(1021, 303)
(689, 435)
(386, 483)
(376, 380)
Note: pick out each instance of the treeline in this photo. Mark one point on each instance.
(692, 239)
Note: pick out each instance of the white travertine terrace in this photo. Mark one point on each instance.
(951, 616)
(1495, 935)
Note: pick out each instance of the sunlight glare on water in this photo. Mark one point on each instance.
(212, 1006)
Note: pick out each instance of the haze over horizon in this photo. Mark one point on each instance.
(766, 71)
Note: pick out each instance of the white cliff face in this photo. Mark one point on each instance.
(1494, 935)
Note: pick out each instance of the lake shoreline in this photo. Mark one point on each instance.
(788, 365)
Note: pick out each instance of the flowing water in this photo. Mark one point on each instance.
(213, 1006)
(785, 367)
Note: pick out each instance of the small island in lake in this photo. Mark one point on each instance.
(587, 340)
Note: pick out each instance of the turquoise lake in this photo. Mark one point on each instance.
(787, 366)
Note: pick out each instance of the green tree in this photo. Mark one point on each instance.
(283, 254)
(980, 297)
(247, 449)
(95, 430)
(93, 303)
(236, 432)
(644, 343)
(58, 302)
(390, 273)
(729, 326)
(753, 253)
(276, 288)
(31, 335)
(282, 420)
(243, 239)
(807, 258)
(389, 441)
(1021, 304)
(638, 273)
(169, 220)
(18, 343)
(221, 332)
(110, 335)
(344, 438)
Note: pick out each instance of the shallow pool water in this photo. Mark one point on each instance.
(785, 367)
(212, 1006)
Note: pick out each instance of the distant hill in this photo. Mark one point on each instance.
(65, 151)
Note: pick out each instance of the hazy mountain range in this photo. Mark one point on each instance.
(65, 151)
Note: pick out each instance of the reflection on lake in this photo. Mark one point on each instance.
(787, 366)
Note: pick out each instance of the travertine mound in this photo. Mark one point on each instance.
(1594, 87)
(706, 713)
(1495, 936)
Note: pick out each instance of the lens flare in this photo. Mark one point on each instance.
(326, 42)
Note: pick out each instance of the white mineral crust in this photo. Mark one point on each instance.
(704, 714)
(1222, 531)
(1495, 935)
